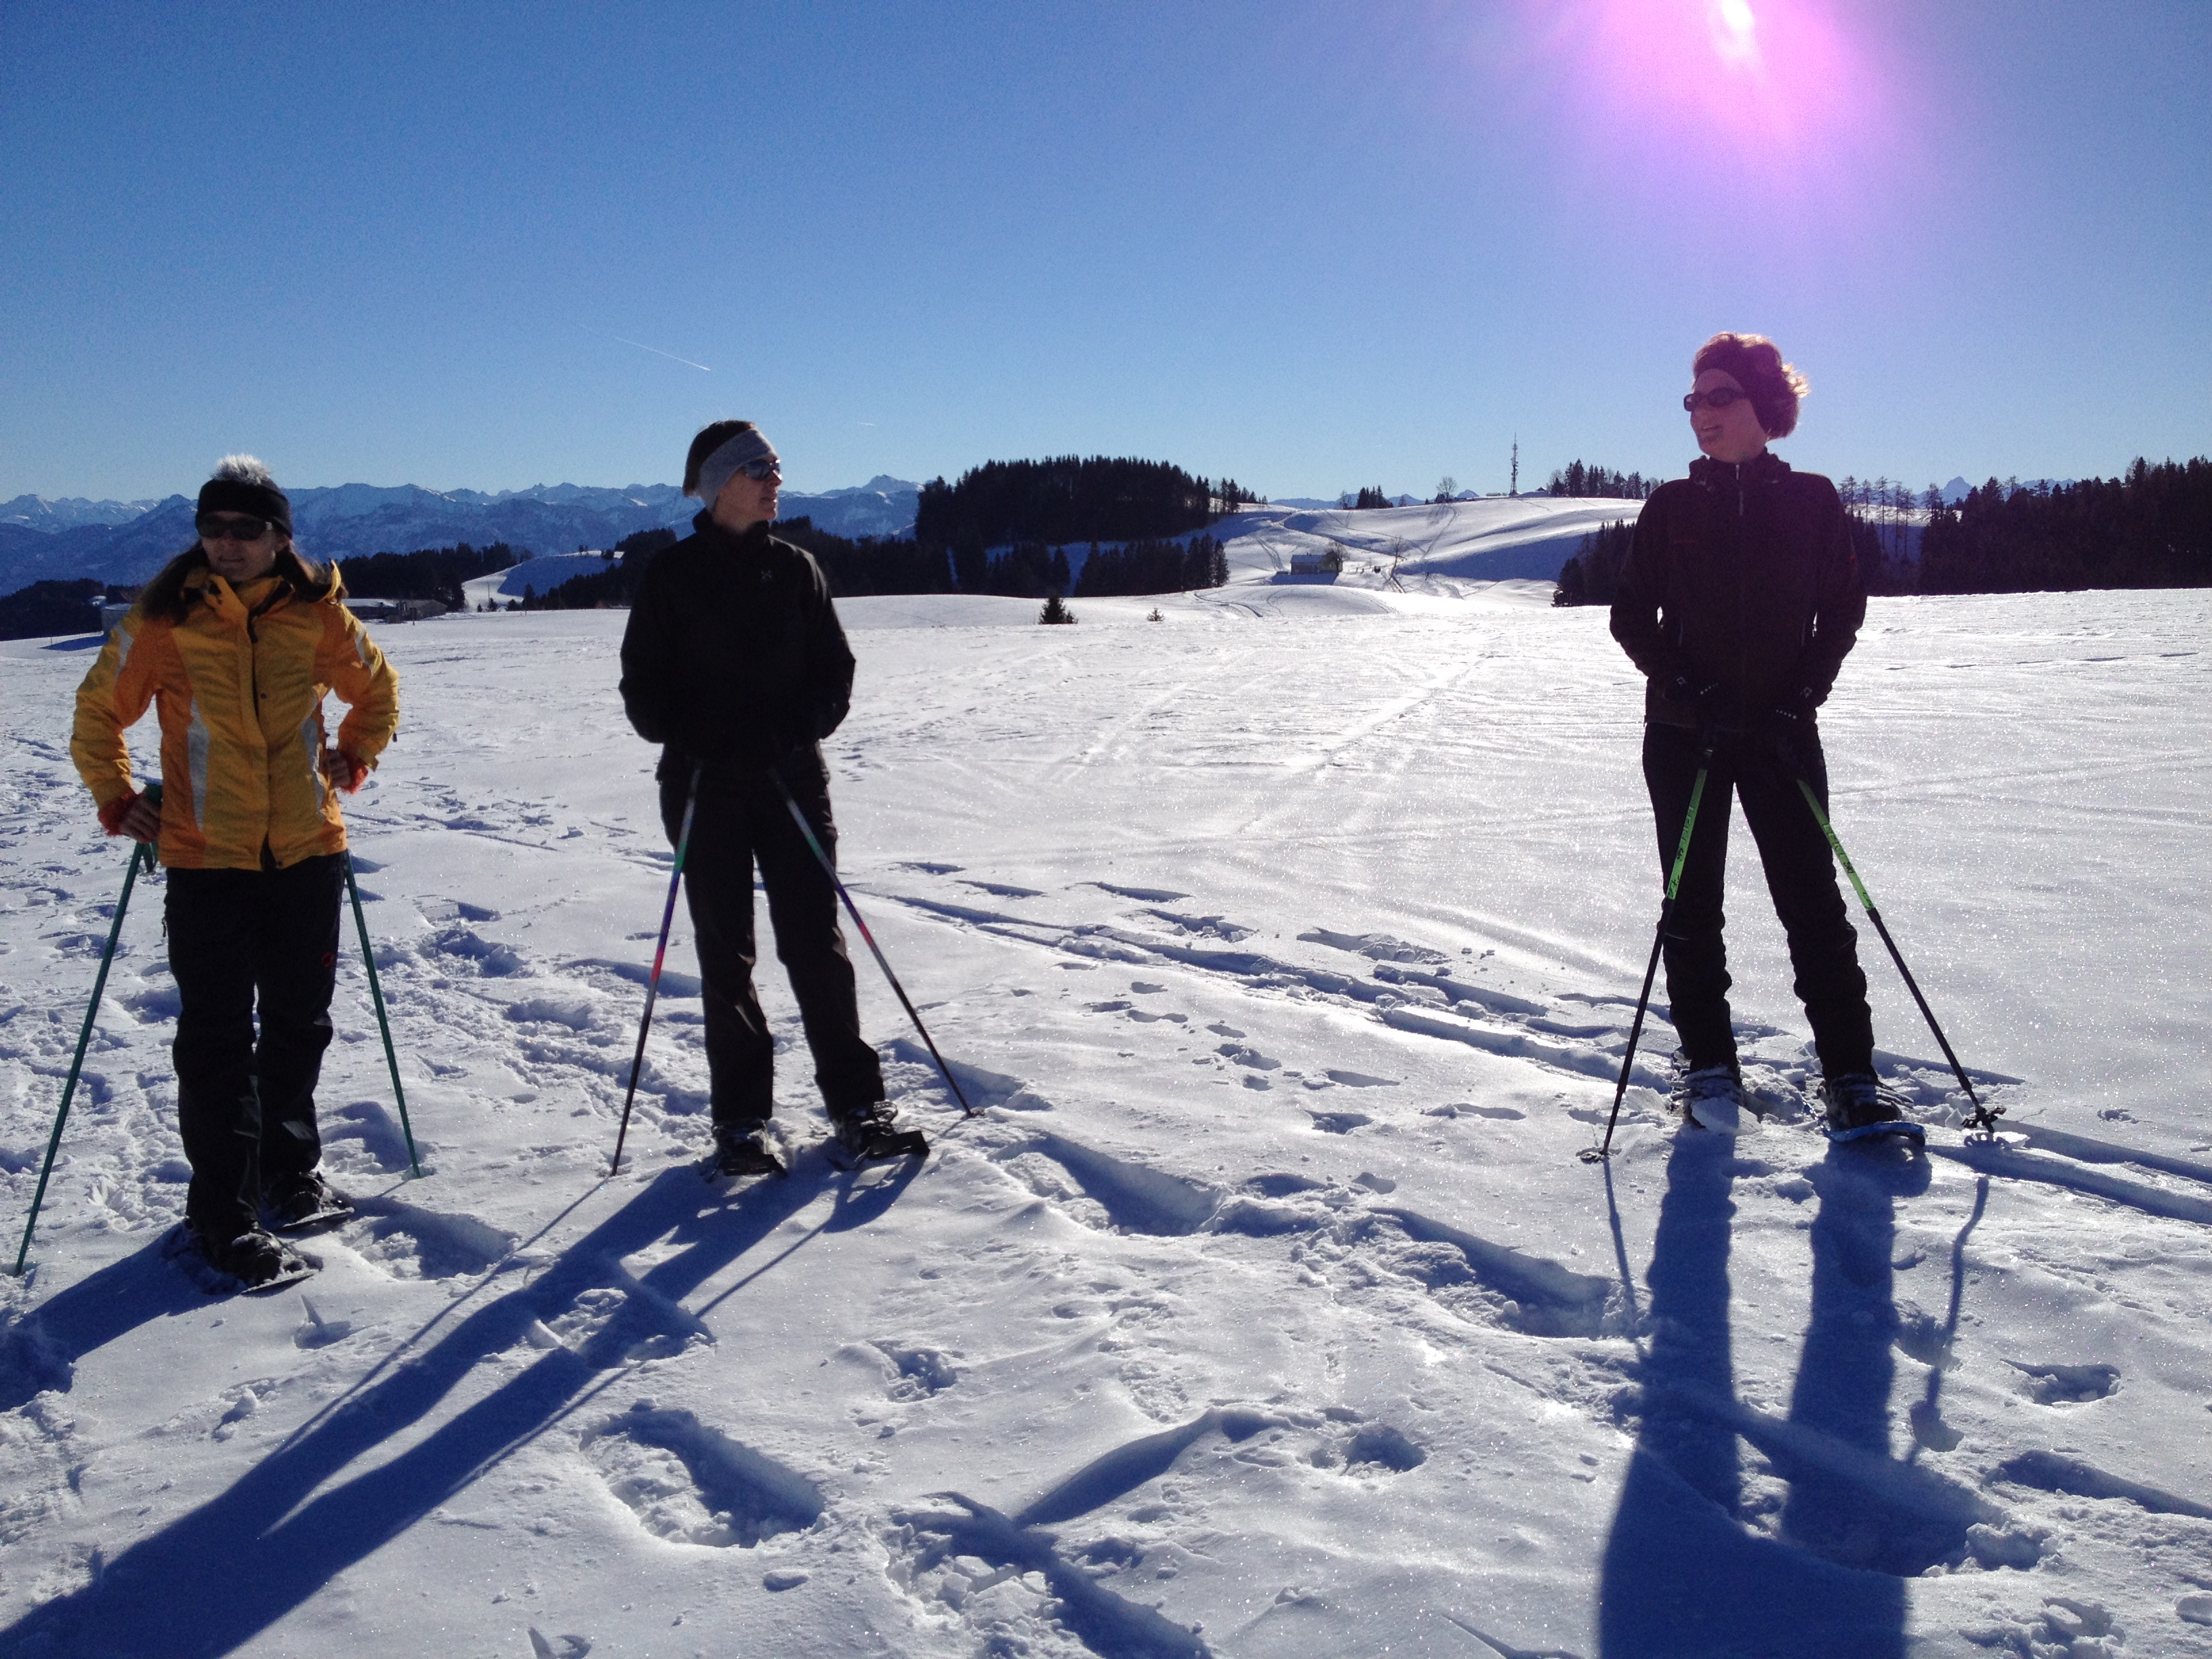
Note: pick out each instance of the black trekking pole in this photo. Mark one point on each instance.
(1599, 1153)
(905, 1001)
(383, 1024)
(139, 850)
(1982, 1117)
(659, 956)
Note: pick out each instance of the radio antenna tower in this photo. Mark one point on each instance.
(1515, 488)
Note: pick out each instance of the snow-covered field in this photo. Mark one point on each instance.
(1288, 946)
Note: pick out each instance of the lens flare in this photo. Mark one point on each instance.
(1734, 33)
(1687, 114)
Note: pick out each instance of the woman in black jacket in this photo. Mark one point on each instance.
(734, 662)
(1739, 601)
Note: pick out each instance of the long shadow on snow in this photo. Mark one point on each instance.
(295, 1542)
(1681, 1572)
(40, 1350)
(1106, 1623)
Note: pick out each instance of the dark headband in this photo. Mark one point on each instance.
(254, 499)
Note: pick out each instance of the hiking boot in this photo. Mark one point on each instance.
(257, 1259)
(1703, 1091)
(302, 1200)
(742, 1149)
(1857, 1104)
(869, 1133)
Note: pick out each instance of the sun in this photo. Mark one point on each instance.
(1736, 32)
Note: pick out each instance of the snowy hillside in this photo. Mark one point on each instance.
(128, 541)
(1433, 549)
(1288, 946)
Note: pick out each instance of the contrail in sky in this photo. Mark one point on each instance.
(641, 346)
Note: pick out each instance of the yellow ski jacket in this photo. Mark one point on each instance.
(239, 684)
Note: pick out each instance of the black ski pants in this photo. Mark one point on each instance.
(742, 819)
(1801, 877)
(243, 944)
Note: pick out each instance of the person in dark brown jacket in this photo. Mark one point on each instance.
(734, 662)
(1739, 600)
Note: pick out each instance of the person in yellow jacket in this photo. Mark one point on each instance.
(235, 644)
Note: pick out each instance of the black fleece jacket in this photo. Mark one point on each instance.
(1740, 576)
(733, 654)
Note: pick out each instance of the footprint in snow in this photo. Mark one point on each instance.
(1205, 926)
(1338, 1123)
(2067, 1385)
(690, 1483)
(922, 1372)
(1467, 1108)
(1376, 947)
(441, 910)
(1476, 1278)
(1135, 1198)
(409, 1243)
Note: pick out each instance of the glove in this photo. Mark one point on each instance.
(1787, 725)
(134, 816)
(344, 771)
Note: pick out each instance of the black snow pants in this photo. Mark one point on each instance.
(742, 819)
(1800, 876)
(244, 943)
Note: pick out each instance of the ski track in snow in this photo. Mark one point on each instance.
(1262, 1309)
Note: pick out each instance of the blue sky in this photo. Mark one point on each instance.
(1308, 246)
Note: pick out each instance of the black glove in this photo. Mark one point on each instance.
(1787, 725)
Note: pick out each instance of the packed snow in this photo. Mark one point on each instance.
(1287, 948)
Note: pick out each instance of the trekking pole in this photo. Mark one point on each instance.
(660, 955)
(1982, 1117)
(1599, 1153)
(139, 850)
(383, 1024)
(905, 1001)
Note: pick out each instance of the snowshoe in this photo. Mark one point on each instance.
(741, 1151)
(301, 1203)
(254, 1263)
(868, 1136)
(1709, 1098)
(1860, 1109)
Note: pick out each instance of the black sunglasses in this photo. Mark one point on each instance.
(212, 529)
(1719, 398)
(757, 471)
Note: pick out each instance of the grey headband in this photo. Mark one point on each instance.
(719, 468)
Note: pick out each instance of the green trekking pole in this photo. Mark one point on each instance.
(1599, 1153)
(659, 956)
(1983, 1117)
(138, 851)
(383, 1024)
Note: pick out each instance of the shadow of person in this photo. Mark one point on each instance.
(1838, 1507)
(1682, 1574)
(219, 1576)
(40, 1350)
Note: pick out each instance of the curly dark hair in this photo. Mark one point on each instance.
(1774, 386)
(710, 439)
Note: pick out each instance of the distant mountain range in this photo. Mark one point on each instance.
(129, 541)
